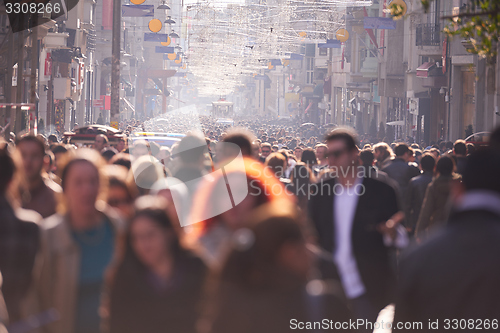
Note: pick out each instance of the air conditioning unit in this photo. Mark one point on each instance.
(56, 40)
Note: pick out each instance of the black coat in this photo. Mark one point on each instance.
(455, 274)
(376, 205)
(416, 194)
(137, 306)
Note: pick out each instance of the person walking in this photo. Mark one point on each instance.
(357, 221)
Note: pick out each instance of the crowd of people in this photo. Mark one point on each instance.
(265, 227)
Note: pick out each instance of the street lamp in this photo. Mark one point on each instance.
(169, 20)
(163, 5)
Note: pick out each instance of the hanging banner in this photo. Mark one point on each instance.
(379, 23)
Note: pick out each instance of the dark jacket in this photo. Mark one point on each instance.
(373, 258)
(402, 173)
(454, 274)
(19, 245)
(435, 207)
(137, 304)
(416, 194)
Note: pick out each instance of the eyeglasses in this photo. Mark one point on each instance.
(336, 153)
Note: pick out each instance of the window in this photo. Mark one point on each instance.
(309, 70)
(323, 51)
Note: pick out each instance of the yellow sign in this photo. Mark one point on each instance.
(178, 61)
(269, 65)
(155, 25)
(114, 124)
(342, 35)
(137, 2)
(167, 43)
(397, 9)
(172, 56)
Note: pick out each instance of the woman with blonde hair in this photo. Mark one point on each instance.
(83, 239)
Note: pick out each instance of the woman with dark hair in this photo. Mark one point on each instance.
(309, 158)
(263, 285)
(436, 205)
(157, 285)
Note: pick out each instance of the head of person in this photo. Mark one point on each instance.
(403, 152)
(59, 152)
(321, 151)
(366, 157)
(298, 152)
(470, 148)
(241, 140)
(427, 163)
(164, 155)
(52, 139)
(82, 182)
(269, 253)
(8, 167)
(460, 148)
(382, 151)
(191, 150)
(151, 236)
(141, 147)
(122, 144)
(121, 193)
(251, 185)
(481, 170)
(145, 171)
(435, 151)
(445, 166)
(265, 149)
(32, 151)
(309, 157)
(342, 149)
(108, 153)
(122, 159)
(276, 163)
(101, 142)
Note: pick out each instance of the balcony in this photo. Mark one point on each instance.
(428, 35)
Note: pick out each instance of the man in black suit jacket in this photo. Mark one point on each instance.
(357, 221)
(453, 277)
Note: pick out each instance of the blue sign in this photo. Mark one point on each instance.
(164, 49)
(137, 10)
(275, 62)
(150, 37)
(379, 23)
(330, 44)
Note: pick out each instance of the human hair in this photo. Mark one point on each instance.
(122, 159)
(384, 148)
(191, 148)
(470, 148)
(309, 157)
(445, 165)
(105, 138)
(59, 148)
(460, 148)
(83, 155)
(427, 162)
(117, 176)
(401, 149)
(34, 139)
(276, 162)
(345, 134)
(265, 144)
(366, 156)
(108, 153)
(8, 167)
(242, 138)
(481, 170)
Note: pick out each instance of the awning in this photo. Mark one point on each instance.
(423, 70)
(396, 123)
